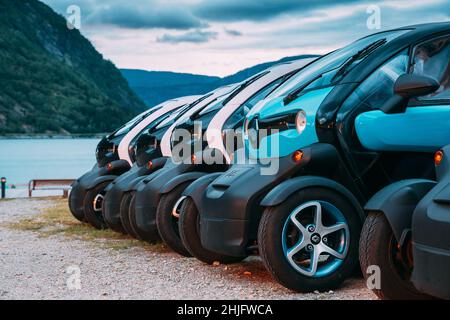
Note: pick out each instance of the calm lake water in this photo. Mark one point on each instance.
(22, 160)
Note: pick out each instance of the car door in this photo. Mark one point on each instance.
(425, 125)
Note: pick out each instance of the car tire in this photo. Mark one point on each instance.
(375, 249)
(151, 237)
(113, 224)
(77, 214)
(95, 217)
(274, 252)
(167, 224)
(189, 232)
(124, 213)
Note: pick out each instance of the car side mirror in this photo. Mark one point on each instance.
(406, 87)
(411, 86)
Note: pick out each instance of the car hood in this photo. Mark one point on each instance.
(285, 142)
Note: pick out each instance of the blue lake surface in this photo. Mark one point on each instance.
(22, 160)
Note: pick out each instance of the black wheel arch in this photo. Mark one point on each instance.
(92, 184)
(398, 201)
(196, 189)
(281, 192)
(180, 179)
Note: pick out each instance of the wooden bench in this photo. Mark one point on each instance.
(50, 184)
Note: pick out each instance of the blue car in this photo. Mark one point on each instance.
(344, 127)
(407, 236)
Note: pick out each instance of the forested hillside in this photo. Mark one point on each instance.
(52, 80)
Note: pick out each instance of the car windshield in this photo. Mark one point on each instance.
(133, 122)
(170, 118)
(176, 114)
(214, 105)
(324, 71)
(227, 97)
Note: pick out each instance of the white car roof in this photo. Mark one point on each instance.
(152, 114)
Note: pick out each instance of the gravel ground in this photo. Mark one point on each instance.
(33, 267)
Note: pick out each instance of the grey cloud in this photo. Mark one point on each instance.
(179, 15)
(196, 36)
(340, 31)
(258, 10)
(136, 14)
(234, 33)
(146, 17)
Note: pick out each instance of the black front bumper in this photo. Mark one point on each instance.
(113, 198)
(431, 242)
(79, 189)
(120, 186)
(230, 208)
(148, 194)
(91, 179)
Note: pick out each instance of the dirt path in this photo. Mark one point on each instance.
(38, 265)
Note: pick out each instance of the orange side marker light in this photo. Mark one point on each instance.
(438, 157)
(297, 156)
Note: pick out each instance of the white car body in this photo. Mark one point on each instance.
(210, 98)
(160, 110)
(215, 128)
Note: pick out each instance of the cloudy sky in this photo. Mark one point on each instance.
(220, 37)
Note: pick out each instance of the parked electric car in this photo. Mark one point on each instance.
(113, 159)
(126, 189)
(152, 153)
(205, 149)
(305, 217)
(407, 236)
(149, 161)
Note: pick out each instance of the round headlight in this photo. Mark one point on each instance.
(300, 121)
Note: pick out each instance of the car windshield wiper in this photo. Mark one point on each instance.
(196, 113)
(158, 122)
(345, 68)
(294, 94)
(243, 86)
(285, 78)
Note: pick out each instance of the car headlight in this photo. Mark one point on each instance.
(300, 121)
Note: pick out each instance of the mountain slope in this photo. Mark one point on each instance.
(52, 80)
(154, 87)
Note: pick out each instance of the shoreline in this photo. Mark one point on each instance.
(51, 136)
(22, 193)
